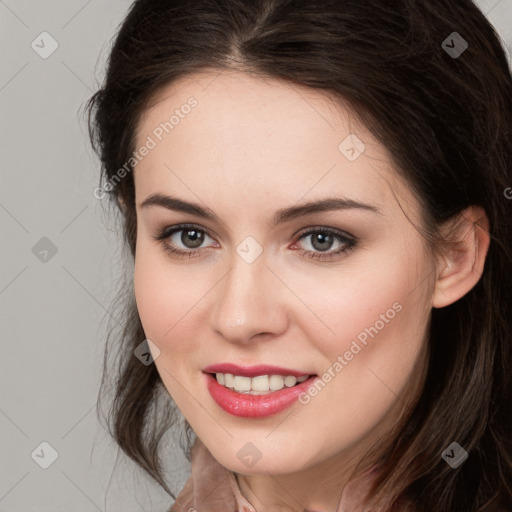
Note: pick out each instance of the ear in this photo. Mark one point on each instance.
(459, 268)
(121, 203)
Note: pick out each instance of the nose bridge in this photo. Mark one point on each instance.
(245, 304)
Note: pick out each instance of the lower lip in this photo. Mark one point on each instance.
(255, 406)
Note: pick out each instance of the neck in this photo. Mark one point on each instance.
(318, 488)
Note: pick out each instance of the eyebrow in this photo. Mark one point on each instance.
(281, 216)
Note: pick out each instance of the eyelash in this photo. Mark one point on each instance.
(349, 242)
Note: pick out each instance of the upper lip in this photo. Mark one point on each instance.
(253, 371)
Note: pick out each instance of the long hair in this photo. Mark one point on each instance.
(441, 103)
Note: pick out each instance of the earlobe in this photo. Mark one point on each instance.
(121, 204)
(460, 267)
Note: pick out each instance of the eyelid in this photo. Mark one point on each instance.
(321, 228)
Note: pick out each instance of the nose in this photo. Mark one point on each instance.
(249, 302)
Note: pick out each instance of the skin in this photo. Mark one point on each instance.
(250, 147)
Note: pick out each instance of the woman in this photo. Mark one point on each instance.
(314, 195)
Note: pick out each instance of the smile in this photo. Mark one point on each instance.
(257, 391)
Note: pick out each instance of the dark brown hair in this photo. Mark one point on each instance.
(446, 120)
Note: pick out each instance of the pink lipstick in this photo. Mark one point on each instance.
(247, 405)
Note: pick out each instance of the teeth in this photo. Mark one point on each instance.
(242, 383)
(276, 382)
(228, 380)
(290, 381)
(259, 385)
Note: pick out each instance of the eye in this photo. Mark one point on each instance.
(322, 239)
(193, 236)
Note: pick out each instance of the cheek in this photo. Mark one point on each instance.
(168, 298)
(159, 302)
(370, 300)
(163, 301)
(374, 338)
(149, 288)
(370, 366)
(374, 322)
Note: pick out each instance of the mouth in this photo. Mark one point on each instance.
(255, 392)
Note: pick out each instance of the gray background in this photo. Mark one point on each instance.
(54, 305)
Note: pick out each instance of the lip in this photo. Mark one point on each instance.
(253, 371)
(255, 406)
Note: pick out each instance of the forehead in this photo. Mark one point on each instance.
(273, 136)
(250, 107)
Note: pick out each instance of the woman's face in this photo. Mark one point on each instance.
(342, 292)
